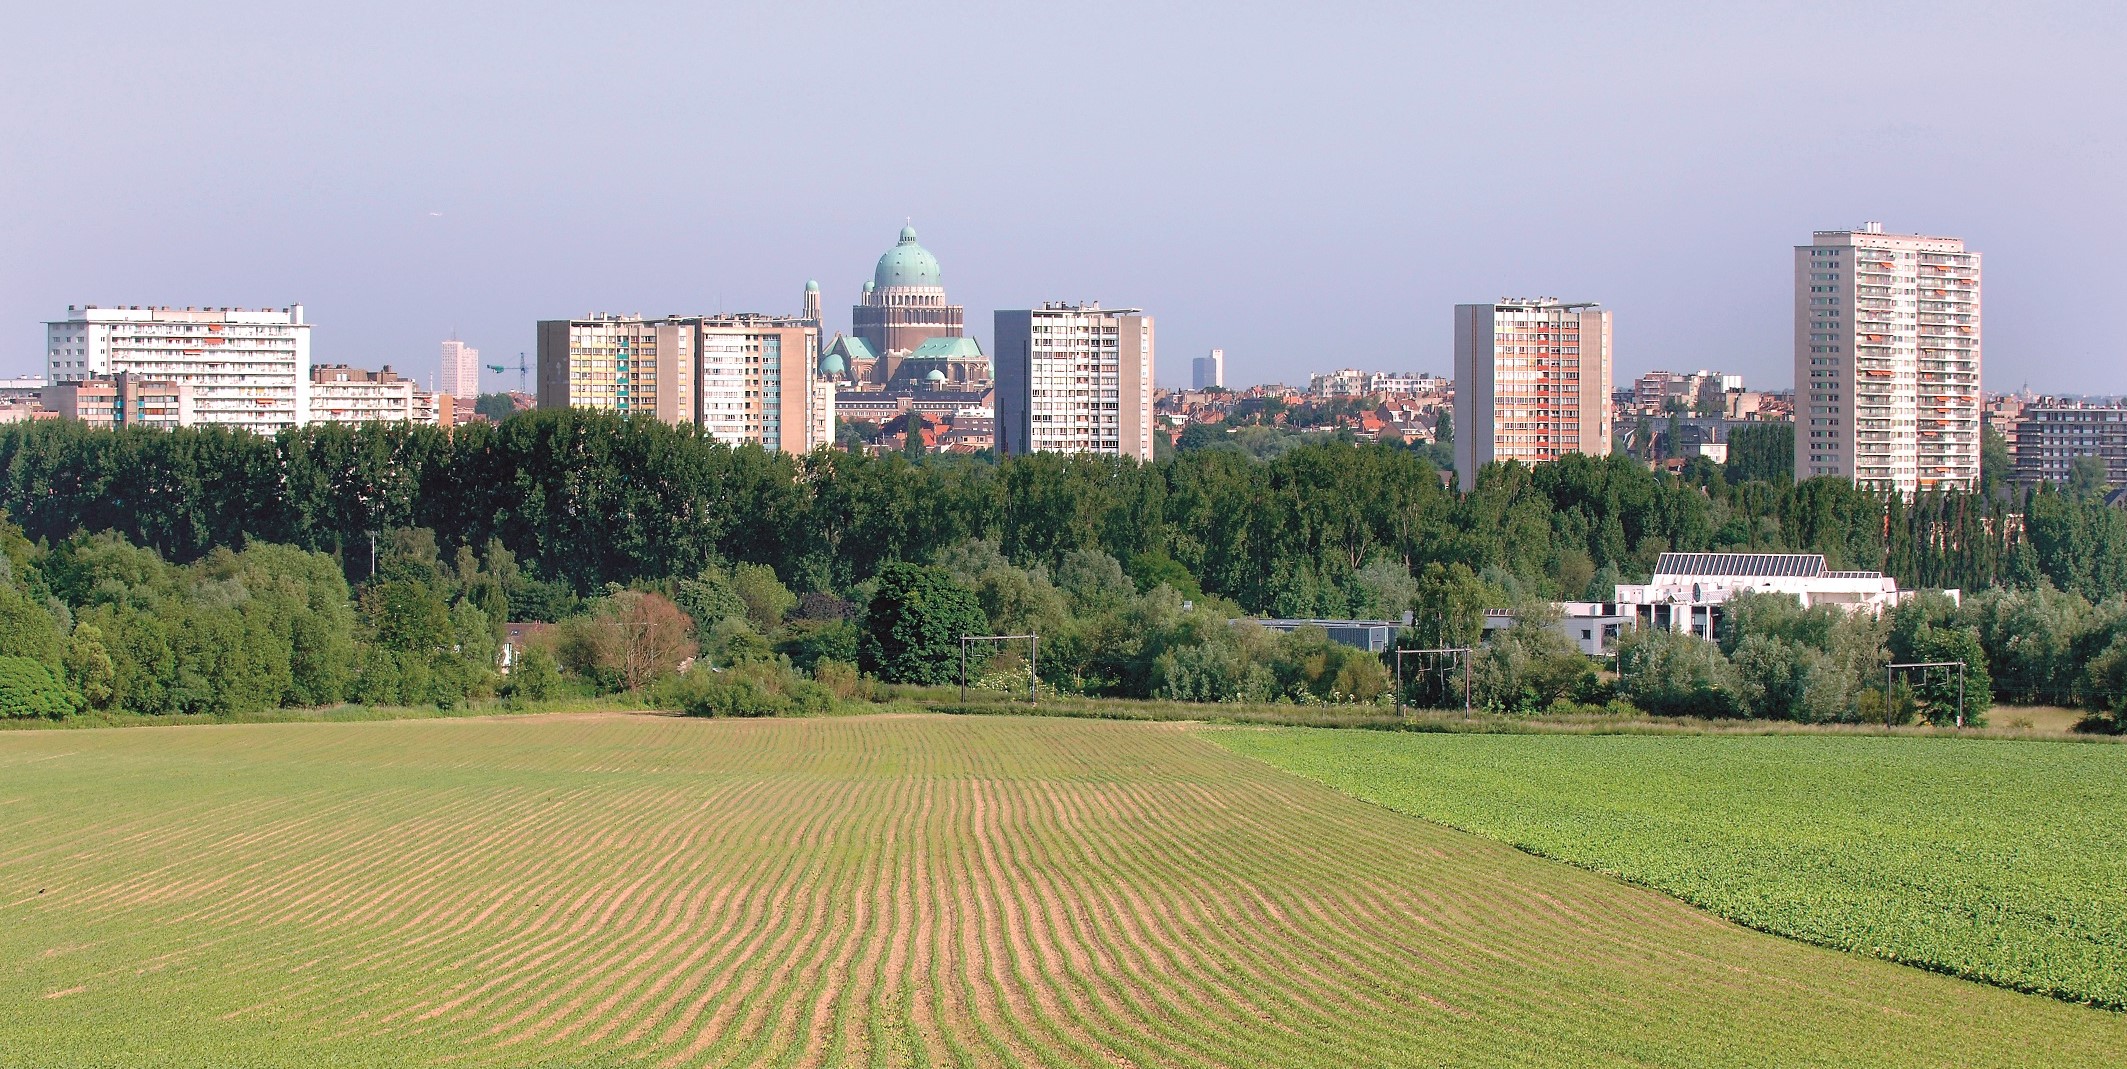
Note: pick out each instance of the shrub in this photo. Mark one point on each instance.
(751, 689)
(535, 676)
(840, 678)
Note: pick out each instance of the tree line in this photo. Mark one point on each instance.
(553, 516)
(583, 499)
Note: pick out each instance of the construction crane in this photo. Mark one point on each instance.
(523, 370)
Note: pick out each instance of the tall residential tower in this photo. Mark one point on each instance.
(740, 378)
(1532, 382)
(1887, 360)
(1074, 378)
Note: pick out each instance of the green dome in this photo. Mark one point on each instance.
(907, 264)
(934, 375)
(832, 364)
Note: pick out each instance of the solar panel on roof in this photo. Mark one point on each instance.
(1753, 565)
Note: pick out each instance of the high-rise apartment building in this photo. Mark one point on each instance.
(624, 364)
(2050, 433)
(1887, 356)
(247, 368)
(1074, 378)
(756, 376)
(1208, 371)
(741, 378)
(1532, 382)
(461, 371)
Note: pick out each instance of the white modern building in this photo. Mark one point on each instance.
(247, 368)
(1887, 360)
(1208, 371)
(1532, 382)
(1688, 590)
(1074, 378)
(460, 369)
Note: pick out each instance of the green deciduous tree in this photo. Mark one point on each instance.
(914, 623)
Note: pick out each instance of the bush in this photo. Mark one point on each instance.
(1669, 673)
(811, 642)
(29, 690)
(840, 678)
(535, 676)
(752, 689)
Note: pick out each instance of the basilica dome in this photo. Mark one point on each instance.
(907, 264)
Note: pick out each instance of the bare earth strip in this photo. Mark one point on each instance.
(649, 891)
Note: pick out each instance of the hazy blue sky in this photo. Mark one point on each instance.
(1309, 186)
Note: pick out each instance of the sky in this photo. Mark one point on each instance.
(1307, 186)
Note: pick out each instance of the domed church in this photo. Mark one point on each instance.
(905, 331)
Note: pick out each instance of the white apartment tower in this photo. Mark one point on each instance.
(1074, 378)
(1532, 382)
(1887, 330)
(461, 372)
(1208, 371)
(247, 368)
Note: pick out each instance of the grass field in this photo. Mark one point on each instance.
(2003, 861)
(920, 890)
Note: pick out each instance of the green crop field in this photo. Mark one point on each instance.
(2002, 861)
(917, 890)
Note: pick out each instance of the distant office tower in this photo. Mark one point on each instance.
(1887, 360)
(1208, 371)
(1532, 382)
(741, 378)
(1074, 378)
(245, 368)
(904, 304)
(461, 371)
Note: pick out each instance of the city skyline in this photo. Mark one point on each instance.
(1401, 179)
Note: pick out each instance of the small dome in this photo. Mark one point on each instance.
(907, 264)
(832, 364)
(934, 375)
(867, 285)
(812, 286)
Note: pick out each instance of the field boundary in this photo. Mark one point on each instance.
(903, 699)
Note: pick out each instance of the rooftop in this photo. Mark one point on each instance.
(1752, 566)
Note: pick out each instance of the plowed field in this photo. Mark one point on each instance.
(631, 890)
